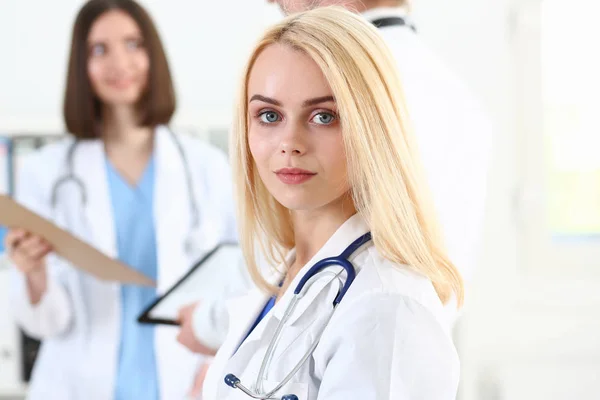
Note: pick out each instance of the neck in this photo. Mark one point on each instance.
(362, 6)
(312, 229)
(122, 131)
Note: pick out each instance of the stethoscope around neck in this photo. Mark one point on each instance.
(70, 177)
(302, 287)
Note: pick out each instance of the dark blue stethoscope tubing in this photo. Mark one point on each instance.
(342, 261)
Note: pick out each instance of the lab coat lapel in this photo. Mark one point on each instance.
(89, 164)
(171, 209)
(245, 362)
(250, 306)
(351, 230)
(243, 311)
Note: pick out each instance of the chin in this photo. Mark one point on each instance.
(297, 204)
(121, 99)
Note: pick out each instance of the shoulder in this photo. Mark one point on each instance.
(395, 313)
(404, 288)
(51, 150)
(421, 66)
(37, 171)
(51, 156)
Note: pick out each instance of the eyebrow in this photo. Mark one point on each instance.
(318, 100)
(307, 103)
(265, 100)
(132, 36)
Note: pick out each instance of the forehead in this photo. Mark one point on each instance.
(113, 23)
(287, 75)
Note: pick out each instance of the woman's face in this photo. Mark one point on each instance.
(118, 63)
(294, 133)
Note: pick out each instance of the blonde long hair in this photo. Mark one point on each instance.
(387, 184)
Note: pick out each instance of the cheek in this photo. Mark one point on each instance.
(260, 149)
(333, 154)
(143, 63)
(94, 70)
(142, 66)
(95, 73)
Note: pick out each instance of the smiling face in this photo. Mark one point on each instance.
(294, 134)
(118, 64)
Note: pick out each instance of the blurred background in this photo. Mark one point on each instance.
(531, 326)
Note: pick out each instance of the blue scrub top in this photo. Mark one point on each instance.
(136, 243)
(3, 232)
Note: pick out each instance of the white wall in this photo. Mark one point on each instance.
(475, 38)
(205, 44)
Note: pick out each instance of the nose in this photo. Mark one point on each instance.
(293, 141)
(119, 59)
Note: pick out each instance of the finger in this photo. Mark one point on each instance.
(190, 307)
(30, 246)
(13, 237)
(186, 313)
(180, 338)
(39, 252)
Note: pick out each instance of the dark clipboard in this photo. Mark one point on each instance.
(207, 267)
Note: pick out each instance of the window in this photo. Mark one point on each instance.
(570, 79)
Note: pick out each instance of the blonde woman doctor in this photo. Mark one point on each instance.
(326, 166)
(134, 189)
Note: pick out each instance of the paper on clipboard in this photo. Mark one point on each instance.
(78, 253)
(207, 279)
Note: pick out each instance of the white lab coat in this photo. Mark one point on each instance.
(387, 339)
(78, 318)
(454, 136)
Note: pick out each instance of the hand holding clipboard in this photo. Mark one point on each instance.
(80, 254)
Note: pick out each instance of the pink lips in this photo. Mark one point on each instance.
(121, 83)
(294, 176)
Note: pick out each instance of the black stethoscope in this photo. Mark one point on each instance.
(392, 21)
(71, 177)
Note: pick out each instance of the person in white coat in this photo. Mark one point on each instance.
(131, 187)
(325, 165)
(454, 132)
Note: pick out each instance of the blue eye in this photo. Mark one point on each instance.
(269, 117)
(98, 49)
(323, 118)
(134, 44)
